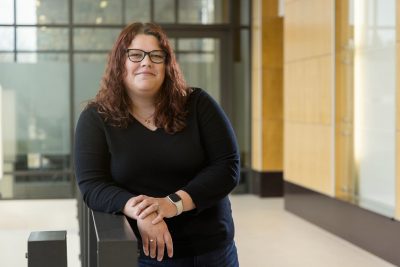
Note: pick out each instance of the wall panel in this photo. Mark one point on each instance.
(308, 97)
(308, 29)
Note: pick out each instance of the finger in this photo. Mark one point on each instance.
(145, 242)
(160, 249)
(142, 206)
(149, 210)
(153, 247)
(158, 219)
(169, 244)
(137, 200)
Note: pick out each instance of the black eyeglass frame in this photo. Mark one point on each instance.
(164, 58)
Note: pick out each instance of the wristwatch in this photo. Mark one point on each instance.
(177, 201)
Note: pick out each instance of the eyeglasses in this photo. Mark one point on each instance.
(137, 55)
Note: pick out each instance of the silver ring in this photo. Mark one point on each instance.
(151, 240)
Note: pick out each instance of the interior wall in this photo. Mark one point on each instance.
(309, 94)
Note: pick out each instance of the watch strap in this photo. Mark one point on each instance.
(177, 201)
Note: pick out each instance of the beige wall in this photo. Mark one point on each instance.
(267, 95)
(309, 93)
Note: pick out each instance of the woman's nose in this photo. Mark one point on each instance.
(146, 60)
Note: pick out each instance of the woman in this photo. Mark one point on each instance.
(163, 154)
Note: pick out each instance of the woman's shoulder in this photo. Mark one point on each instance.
(198, 93)
(90, 113)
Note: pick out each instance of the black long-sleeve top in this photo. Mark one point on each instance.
(114, 164)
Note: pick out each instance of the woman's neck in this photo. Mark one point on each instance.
(143, 107)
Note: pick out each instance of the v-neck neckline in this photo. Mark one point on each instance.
(143, 125)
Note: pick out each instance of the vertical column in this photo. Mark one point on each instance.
(267, 102)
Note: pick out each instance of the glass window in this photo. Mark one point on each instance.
(42, 57)
(164, 11)
(6, 12)
(42, 11)
(7, 38)
(36, 186)
(245, 13)
(137, 10)
(199, 59)
(42, 38)
(242, 98)
(98, 12)
(6, 57)
(36, 131)
(203, 11)
(89, 69)
(95, 39)
(374, 104)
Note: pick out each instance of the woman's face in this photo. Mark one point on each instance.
(144, 78)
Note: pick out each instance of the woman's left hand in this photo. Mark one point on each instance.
(146, 205)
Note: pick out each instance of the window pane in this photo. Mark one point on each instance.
(137, 10)
(42, 57)
(164, 11)
(245, 13)
(89, 69)
(98, 12)
(36, 186)
(375, 105)
(36, 130)
(7, 38)
(6, 12)
(6, 57)
(196, 44)
(42, 11)
(95, 39)
(201, 64)
(42, 38)
(204, 11)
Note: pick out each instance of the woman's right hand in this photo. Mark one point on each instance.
(155, 237)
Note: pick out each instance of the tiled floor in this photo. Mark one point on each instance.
(266, 235)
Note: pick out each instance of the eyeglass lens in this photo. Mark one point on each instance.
(137, 55)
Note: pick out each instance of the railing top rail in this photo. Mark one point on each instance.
(112, 228)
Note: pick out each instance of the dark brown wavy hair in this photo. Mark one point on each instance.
(112, 100)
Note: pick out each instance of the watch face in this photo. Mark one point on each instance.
(174, 197)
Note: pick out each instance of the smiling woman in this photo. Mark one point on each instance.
(160, 152)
